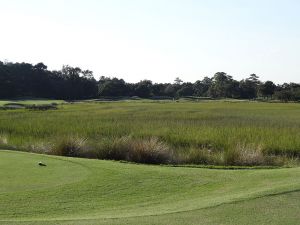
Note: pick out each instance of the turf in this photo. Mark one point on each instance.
(81, 191)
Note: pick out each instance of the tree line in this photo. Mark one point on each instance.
(72, 83)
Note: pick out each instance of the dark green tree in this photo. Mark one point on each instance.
(267, 89)
(112, 87)
(223, 86)
(202, 87)
(143, 89)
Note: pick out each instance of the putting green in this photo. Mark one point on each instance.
(21, 172)
(81, 190)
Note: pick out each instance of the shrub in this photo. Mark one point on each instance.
(201, 156)
(245, 155)
(115, 149)
(197, 156)
(3, 139)
(151, 150)
(283, 152)
(250, 155)
(41, 147)
(70, 147)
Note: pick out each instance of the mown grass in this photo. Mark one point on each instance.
(271, 210)
(197, 132)
(82, 191)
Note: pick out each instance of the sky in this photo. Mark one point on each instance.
(156, 39)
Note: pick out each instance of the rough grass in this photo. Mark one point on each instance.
(69, 146)
(246, 155)
(81, 191)
(149, 151)
(3, 139)
(211, 132)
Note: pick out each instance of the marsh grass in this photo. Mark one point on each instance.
(3, 140)
(69, 146)
(150, 150)
(40, 147)
(246, 155)
(204, 132)
(200, 156)
(113, 149)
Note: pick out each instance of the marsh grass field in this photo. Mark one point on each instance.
(209, 132)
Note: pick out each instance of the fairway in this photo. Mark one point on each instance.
(82, 191)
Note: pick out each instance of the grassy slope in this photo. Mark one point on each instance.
(280, 210)
(94, 192)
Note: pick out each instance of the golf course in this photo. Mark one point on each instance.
(84, 191)
(150, 162)
(138, 112)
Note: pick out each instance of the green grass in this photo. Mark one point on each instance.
(209, 125)
(81, 191)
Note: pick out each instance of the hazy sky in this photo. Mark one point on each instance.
(156, 39)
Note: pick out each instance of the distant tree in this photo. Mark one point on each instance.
(284, 95)
(254, 79)
(178, 81)
(144, 89)
(288, 92)
(185, 90)
(87, 74)
(170, 90)
(234, 90)
(267, 89)
(72, 86)
(40, 81)
(249, 87)
(202, 87)
(223, 86)
(159, 89)
(113, 88)
(89, 85)
(7, 84)
(71, 72)
(27, 80)
(40, 67)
